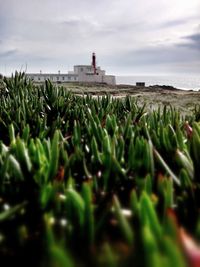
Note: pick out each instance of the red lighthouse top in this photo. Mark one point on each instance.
(94, 62)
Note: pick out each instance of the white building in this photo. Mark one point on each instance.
(81, 73)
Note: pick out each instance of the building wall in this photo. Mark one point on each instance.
(81, 73)
(38, 77)
(86, 74)
(110, 79)
(79, 69)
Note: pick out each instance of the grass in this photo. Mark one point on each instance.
(96, 181)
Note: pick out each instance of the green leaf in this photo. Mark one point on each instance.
(60, 257)
(148, 215)
(11, 133)
(89, 215)
(53, 166)
(15, 168)
(46, 194)
(152, 256)
(185, 162)
(23, 155)
(5, 215)
(166, 167)
(173, 253)
(124, 226)
(75, 205)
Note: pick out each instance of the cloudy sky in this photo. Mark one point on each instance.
(128, 36)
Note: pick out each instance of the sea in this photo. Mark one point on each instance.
(185, 82)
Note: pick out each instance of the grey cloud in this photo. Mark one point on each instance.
(8, 53)
(16, 55)
(173, 23)
(180, 21)
(155, 57)
(4, 27)
(194, 41)
(191, 46)
(72, 22)
(78, 26)
(195, 37)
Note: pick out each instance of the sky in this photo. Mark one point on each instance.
(129, 37)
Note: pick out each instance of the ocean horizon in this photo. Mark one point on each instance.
(190, 82)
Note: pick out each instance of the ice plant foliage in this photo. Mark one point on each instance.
(96, 181)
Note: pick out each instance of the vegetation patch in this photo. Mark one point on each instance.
(96, 181)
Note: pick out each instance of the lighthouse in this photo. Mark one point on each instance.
(94, 63)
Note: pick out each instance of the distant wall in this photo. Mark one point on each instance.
(86, 74)
(38, 77)
(140, 84)
(81, 73)
(109, 79)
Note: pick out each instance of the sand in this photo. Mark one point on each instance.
(153, 96)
